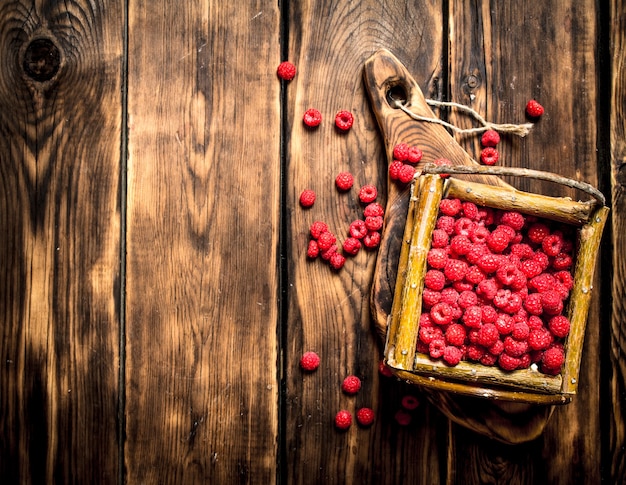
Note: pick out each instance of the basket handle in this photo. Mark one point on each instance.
(515, 172)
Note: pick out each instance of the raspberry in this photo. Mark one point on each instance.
(489, 313)
(401, 152)
(488, 335)
(543, 259)
(470, 210)
(474, 275)
(564, 278)
(436, 348)
(406, 173)
(450, 296)
(534, 322)
(485, 215)
(409, 403)
(460, 244)
(312, 117)
(309, 361)
(327, 253)
(374, 209)
(559, 326)
(468, 299)
(414, 156)
(513, 219)
(450, 207)
(443, 162)
(480, 235)
(403, 418)
(475, 352)
(534, 109)
(553, 358)
(440, 239)
(487, 289)
(374, 223)
(371, 240)
(507, 301)
(344, 120)
(437, 258)
(286, 70)
(337, 260)
(344, 181)
(343, 419)
(351, 385)
(455, 269)
(441, 314)
(562, 261)
(434, 279)
(531, 268)
(351, 246)
(358, 229)
(490, 138)
(522, 250)
(452, 355)
(472, 317)
(498, 240)
(446, 223)
(489, 359)
(540, 339)
(552, 244)
(464, 227)
(428, 334)
(317, 228)
(313, 249)
(455, 334)
(508, 362)
(368, 193)
(489, 156)
(542, 282)
(497, 348)
(551, 302)
(532, 304)
(489, 263)
(476, 252)
(326, 240)
(394, 169)
(515, 348)
(365, 416)
(307, 198)
(384, 370)
(430, 297)
(504, 323)
(537, 231)
(507, 273)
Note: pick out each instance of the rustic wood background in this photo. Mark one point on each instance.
(155, 296)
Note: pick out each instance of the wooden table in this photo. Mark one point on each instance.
(155, 295)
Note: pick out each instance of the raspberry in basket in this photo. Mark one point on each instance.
(553, 359)
(344, 120)
(351, 385)
(286, 70)
(312, 117)
(309, 361)
(343, 419)
(344, 181)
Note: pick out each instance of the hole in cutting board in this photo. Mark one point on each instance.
(396, 95)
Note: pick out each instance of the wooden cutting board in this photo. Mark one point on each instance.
(388, 83)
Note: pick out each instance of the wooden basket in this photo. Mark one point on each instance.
(470, 378)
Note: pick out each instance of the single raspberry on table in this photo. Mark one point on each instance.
(534, 109)
(312, 117)
(307, 198)
(351, 246)
(344, 120)
(368, 193)
(409, 402)
(401, 152)
(344, 181)
(358, 229)
(490, 138)
(351, 385)
(309, 361)
(317, 228)
(343, 419)
(414, 156)
(371, 240)
(313, 249)
(365, 416)
(286, 71)
(489, 156)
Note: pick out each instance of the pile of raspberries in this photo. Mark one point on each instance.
(495, 287)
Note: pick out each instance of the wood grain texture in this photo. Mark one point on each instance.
(203, 219)
(60, 134)
(617, 431)
(502, 55)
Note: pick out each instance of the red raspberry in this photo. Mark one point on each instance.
(414, 156)
(365, 416)
(455, 334)
(497, 348)
(515, 348)
(371, 240)
(351, 246)
(489, 359)
(430, 297)
(504, 323)
(562, 261)
(384, 369)
(434, 279)
(487, 289)
(488, 335)
(460, 245)
(534, 109)
(374, 223)
(446, 223)
(374, 209)
(474, 275)
(525, 361)
(532, 304)
(542, 282)
(455, 269)
(507, 301)
(475, 352)
(489, 263)
(513, 219)
(553, 358)
(452, 355)
(410, 403)
(307, 198)
(522, 250)
(440, 239)
(406, 174)
(489, 156)
(508, 362)
(507, 273)
(543, 259)
(317, 228)
(489, 313)
(326, 240)
(559, 326)
(403, 418)
(368, 193)
(358, 229)
(401, 152)
(343, 419)
(450, 296)
(286, 70)
(470, 210)
(537, 231)
(436, 348)
(534, 322)
(552, 244)
(351, 385)
(326, 254)
(394, 169)
(428, 334)
(498, 240)
(531, 268)
(485, 215)
(476, 252)
(450, 207)
(442, 314)
(490, 138)
(437, 258)
(472, 317)
(551, 302)
(564, 278)
(344, 181)
(468, 299)
(313, 249)
(344, 120)
(464, 227)
(312, 117)
(540, 339)
(309, 361)
(480, 235)
(440, 162)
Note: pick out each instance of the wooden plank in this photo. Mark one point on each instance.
(616, 457)
(328, 311)
(60, 135)
(502, 55)
(203, 219)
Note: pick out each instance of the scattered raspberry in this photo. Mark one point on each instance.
(317, 228)
(394, 169)
(374, 209)
(344, 181)
(415, 155)
(406, 173)
(344, 120)
(368, 193)
(312, 117)
(326, 254)
(351, 385)
(343, 419)
(373, 223)
(358, 229)
(309, 361)
(559, 326)
(371, 240)
(351, 246)
(534, 109)
(307, 198)
(410, 403)
(313, 249)
(403, 418)
(489, 156)
(384, 369)
(490, 138)
(286, 70)
(365, 416)
(401, 152)
(337, 260)
(326, 240)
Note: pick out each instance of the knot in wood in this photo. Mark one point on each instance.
(42, 60)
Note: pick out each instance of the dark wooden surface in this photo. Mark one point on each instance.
(155, 296)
